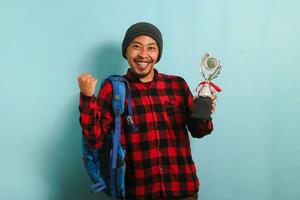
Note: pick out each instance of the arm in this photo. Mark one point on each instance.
(96, 115)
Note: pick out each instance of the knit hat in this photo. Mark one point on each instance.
(142, 28)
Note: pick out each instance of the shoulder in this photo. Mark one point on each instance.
(173, 79)
(105, 91)
(106, 85)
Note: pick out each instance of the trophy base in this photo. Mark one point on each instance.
(202, 108)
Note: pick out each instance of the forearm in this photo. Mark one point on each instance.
(90, 116)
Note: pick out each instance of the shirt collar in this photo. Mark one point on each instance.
(132, 78)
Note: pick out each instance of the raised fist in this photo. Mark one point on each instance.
(87, 84)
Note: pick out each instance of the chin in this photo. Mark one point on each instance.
(143, 73)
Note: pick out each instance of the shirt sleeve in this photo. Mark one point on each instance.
(96, 117)
(197, 127)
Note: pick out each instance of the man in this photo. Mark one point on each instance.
(158, 156)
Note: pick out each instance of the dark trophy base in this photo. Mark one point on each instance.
(202, 108)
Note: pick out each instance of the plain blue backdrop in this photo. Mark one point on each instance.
(253, 153)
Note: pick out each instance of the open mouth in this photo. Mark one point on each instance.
(142, 64)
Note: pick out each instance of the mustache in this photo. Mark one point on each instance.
(139, 59)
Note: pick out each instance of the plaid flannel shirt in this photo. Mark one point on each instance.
(158, 156)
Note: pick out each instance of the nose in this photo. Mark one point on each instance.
(143, 52)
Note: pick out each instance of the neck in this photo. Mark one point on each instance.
(145, 79)
(148, 78)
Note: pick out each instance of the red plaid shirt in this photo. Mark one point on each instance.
(158, 156)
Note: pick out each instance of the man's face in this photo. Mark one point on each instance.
(142, 54)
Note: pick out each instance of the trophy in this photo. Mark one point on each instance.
(210, 68)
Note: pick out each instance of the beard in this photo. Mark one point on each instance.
(146, 71)
(141, 75)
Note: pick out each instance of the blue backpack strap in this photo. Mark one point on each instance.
(119, 95)
(129, 117)
(118, 103)
(119, 79)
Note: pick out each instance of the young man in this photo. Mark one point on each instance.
(158, 156)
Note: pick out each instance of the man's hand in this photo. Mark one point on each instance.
(87, 84)
(213, 106)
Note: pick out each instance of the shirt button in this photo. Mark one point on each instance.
(161, 170)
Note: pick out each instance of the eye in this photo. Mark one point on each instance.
(136, 46)
(152, 48)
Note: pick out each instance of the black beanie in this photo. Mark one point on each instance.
(142, 28)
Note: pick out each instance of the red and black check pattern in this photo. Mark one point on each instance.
(158, 155)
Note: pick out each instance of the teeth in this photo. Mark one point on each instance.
(142, 64)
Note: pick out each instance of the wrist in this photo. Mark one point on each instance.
(86, 97)
(87, 94)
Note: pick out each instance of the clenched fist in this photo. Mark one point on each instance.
(87, 84)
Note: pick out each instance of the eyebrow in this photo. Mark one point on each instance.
(152, 43)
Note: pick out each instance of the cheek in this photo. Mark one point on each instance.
(154, 56)
(131, 53)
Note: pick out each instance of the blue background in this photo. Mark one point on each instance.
(253, 152)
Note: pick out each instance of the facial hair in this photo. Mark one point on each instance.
(142, 75)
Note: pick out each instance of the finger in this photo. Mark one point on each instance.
(213, 105)
(88, 79)
(94, 81)
(213, 108)
(84, 74)
(91, 79)
(85, 77)
(213, 97)
(81, 78)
